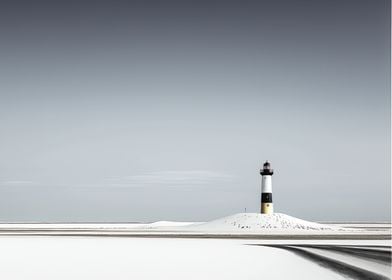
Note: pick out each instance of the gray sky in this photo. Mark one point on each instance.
(150, 110)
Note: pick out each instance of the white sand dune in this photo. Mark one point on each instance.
(241, 222)
(263, 222)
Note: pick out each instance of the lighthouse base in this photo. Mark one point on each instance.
(267, 208)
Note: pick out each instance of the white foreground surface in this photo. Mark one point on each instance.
(117, 251)
(33, 257)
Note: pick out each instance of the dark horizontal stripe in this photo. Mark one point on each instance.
(266, 197)
(266, 172)
(143, 234)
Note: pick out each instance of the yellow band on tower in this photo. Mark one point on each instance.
(267, 208)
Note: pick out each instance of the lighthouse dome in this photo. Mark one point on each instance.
(266, 169)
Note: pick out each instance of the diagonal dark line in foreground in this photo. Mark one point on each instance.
(375, 255)
(337, 266)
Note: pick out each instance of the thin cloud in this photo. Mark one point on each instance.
(16, 182)
(172, 178)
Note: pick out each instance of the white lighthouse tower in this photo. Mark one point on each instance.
(266, 189)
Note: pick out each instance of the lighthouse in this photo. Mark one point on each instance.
(266, 189)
